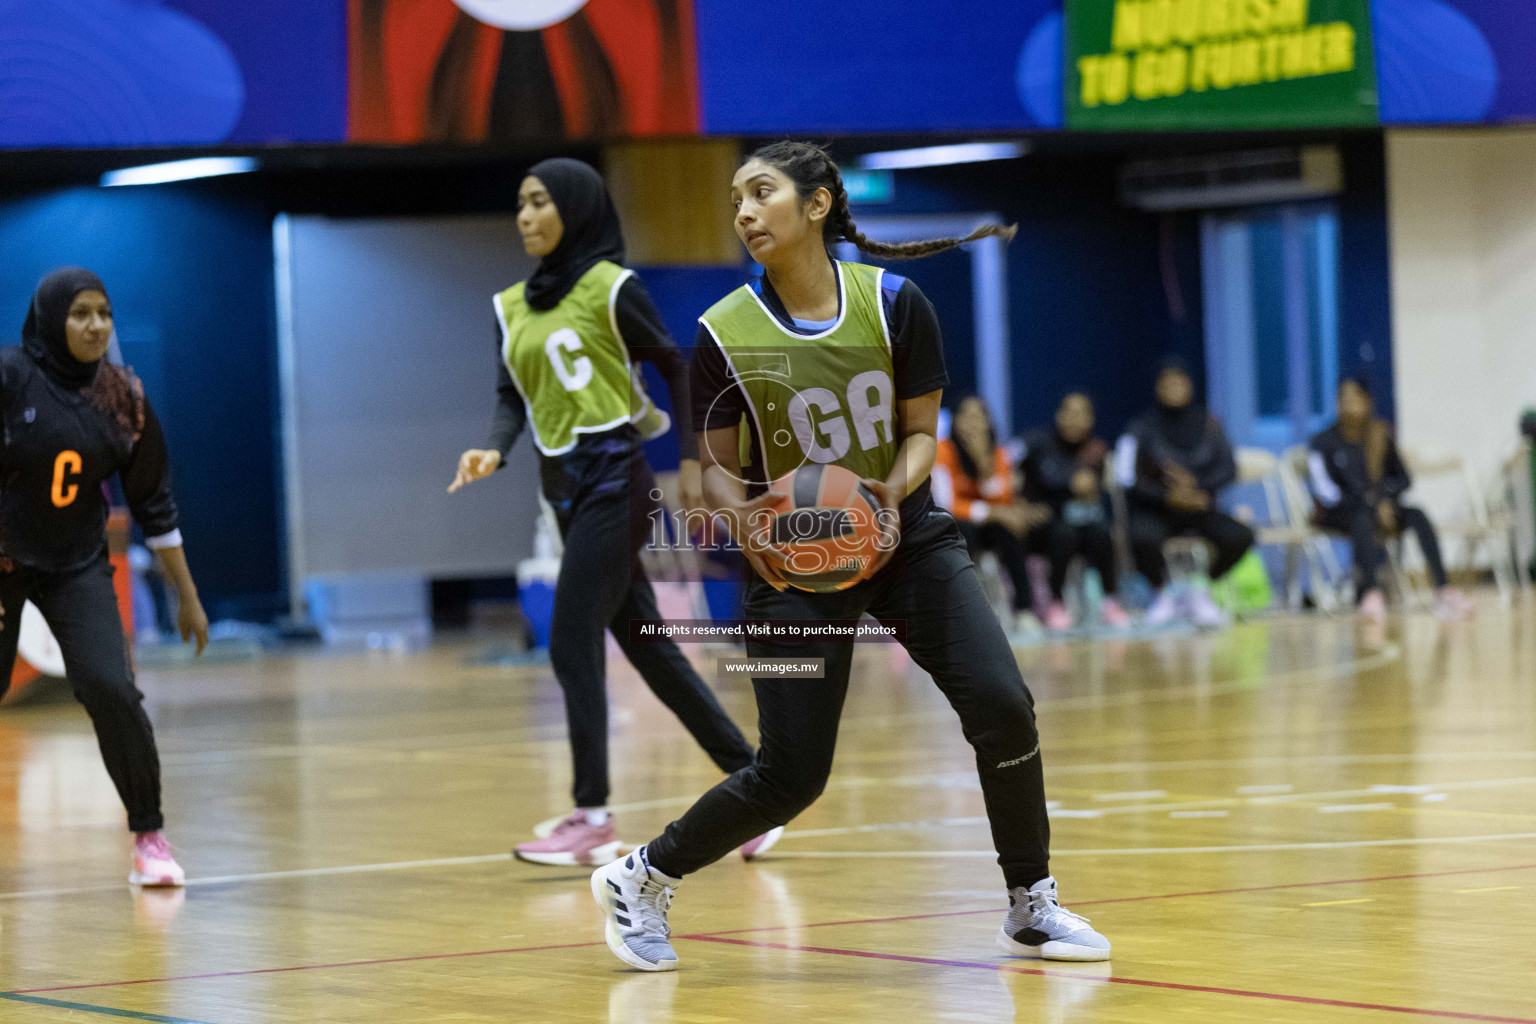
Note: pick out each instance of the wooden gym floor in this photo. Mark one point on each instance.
(1289, 821)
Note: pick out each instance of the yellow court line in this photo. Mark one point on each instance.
(1337, 903)
(1491, 888)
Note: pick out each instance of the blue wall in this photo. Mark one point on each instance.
(190, 279)
(681, 294)
(1087, 304)
(1099, 292)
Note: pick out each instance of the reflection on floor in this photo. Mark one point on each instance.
(1287, 821)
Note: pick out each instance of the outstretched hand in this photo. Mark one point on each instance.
(192, 622)
(473, 465)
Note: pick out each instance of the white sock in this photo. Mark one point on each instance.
(660, 875)
(595, 815)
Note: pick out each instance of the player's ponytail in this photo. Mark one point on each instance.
(810, 168)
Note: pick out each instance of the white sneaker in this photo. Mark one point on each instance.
(1165, 608)
(153, 863)
(1026, 625)
(1204, 612)
(1038, 926)
(635, 899)
(1451, 604)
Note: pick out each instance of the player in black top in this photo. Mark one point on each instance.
(71, 421)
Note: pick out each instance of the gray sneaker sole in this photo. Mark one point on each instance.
(1053, 950)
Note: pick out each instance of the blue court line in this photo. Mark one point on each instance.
(105, 1011)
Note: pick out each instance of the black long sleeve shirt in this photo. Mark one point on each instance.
(1049, 466)
(1340, 477)
(59, 451)
(647, 340)
(1144, 449)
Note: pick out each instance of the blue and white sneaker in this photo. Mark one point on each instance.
(635, 898)
(1038, 926)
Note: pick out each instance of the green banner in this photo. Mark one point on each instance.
(1140, 65)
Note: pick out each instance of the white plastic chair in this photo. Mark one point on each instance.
(1331, 585)
(1487, 526)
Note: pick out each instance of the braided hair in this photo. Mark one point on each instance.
(810, 167)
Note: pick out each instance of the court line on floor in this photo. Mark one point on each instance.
(491, 858)
(1344, 844)
(1250, 800)
(308, 967)
(1140, 899)
(1112, 980)
(781, 927)
(105, 1011)
(263, 876)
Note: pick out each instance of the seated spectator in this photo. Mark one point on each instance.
(1063, 469)
(1172, 462)
(1358, 481)
(974, 482)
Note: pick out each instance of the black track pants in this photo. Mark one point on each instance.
(951, 633)
(1359, 522)
(80, 608)
(602, 586)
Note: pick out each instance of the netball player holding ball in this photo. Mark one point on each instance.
(823, 364)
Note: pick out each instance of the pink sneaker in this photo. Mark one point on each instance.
(153, 863)
(1112, 614)
(1057, 618)
(762, 844)
(574, 841)
(1373, 606)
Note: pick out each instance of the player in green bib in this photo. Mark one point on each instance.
(570, 339)
(832, 363)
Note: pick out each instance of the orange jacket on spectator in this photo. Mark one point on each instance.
(964, 496)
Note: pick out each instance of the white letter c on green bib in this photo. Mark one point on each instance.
(579, 373)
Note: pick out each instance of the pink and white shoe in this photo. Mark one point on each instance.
(1113, 616)
(153, 863)
(1057, 618)
(1373, 607)
(762, 844)
(574, 841)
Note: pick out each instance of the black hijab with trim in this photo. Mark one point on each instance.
(43, 335)
(591, 230)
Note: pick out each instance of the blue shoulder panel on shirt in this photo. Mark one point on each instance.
(890, 285)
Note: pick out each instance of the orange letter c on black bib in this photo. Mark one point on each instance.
(68, 464)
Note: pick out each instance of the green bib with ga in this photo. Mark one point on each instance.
(571, 366)
(827, 397)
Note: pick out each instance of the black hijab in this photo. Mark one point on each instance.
(43, 335)
(1183, 426)
(591, 230)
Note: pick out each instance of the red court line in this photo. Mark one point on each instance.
(303, 967)
(1132, 899)
(718, 936)
(1142, 982)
